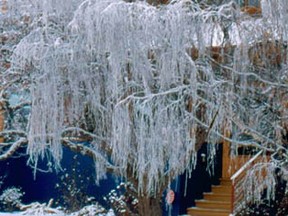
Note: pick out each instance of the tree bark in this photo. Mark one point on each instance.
(149, 206)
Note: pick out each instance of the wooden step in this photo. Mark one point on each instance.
(211, 204)
(222, 189)
(195, 211)
(225, 182)
(217, 196)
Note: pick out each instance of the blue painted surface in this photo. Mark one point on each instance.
(17, 173)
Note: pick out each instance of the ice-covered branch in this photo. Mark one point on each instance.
(90, 152)
(13, 132)
(13, 148)
(20, 105)
(80, 131)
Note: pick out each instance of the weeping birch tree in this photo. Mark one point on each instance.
(146, 83)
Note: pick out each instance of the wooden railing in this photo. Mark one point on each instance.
(238, 183)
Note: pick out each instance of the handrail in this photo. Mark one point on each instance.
(238, 196)
(235, 175)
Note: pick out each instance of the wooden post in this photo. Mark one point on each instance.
(226, 161)
(233, 197)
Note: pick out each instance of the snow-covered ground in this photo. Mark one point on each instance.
(47, 214)
(37, 209)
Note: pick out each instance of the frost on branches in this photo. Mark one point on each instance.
(147, 85)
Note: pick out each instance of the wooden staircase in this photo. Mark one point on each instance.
(215, 203)
(228, 197)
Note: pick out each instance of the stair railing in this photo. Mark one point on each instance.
(238, 186)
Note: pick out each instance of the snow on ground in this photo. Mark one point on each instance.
(41, 210)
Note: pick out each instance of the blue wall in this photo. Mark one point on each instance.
(17, 173)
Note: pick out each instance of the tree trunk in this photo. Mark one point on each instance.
(2, 120)
(149, 206)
